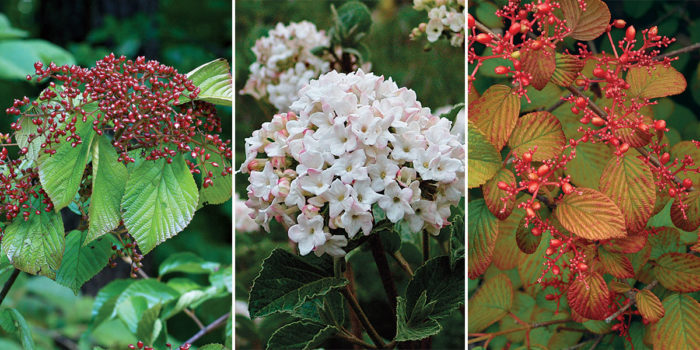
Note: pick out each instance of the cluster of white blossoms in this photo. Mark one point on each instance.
(443, 16)
(350, 142)
(284, 63)
(244, 222)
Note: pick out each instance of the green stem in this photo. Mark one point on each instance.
(337, 267)
(355, 305)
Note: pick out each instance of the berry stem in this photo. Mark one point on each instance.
(210, 327)
(631, 301)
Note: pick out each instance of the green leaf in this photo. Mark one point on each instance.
(213, 346)
(22, 137)
(149, 326)
(13, 322)
(220, 190)
(62, 173)
(483, 159)
(7, 31)
(222, 279)
(490, 303)
(186, 262)
(103, 308)
(678, 329)
(482, 234)
(456, 240)
(287, 281)
(214, 82)
(434, 292)
(17, 57)
(159, 201)
(153, 291)
(452, 114)
(108, 182)
(82, 262)
(352, 22)
(300, 335)
(35, 246)
(130, 311)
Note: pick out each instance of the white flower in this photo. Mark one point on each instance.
(316, 181)
(308, 233)
(355, 219)
(333, 246)
(434, 29)
(382, 173)
(351, 167)
(244, 223)
(339, 198)
(263, 182)
(395, 202)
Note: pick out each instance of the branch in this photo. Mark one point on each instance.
(384, 271)
(8, 285)
(480, 26)
(355, 305)
(513, 330)
(402, 262)
(631, 301)
(216, 324)
(679, 51)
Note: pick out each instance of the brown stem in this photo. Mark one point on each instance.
(355, 306)
(8, 285)
(679, 51)
(630, 302)
(402, 262)
(513, 330)
(216, 324)
(355, 325)
(384, 271)
(355, 341)
(480, 26)
(426, 246)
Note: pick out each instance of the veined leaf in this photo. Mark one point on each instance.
(287, 281)
(483, 161)
(108, 182)
(591, 215)
(490, 303)
(495, 113)
(567, 69)
(505, 254)
(540, 63)
(300, 335)
(186, 262)
(586, 169)
(678, 329)
(619, 287)
(22, 137)
(103, 307)
(214, 82)
(541, 129)
(666, 240)
(629, 183)
(589, 296)
(649, 305)
(691, 221)
(589, 24)
(81, 262)
(151, 290)
(616, 264)
(679, 272)
(526, 241)
(149, 326)
(159, 201)
(530, 266)
(221, 189)
(11, 318)
(35, 246)
(493, 194)
(482, 232)
(627, 245)
(662, 82)
(412, 327)
(61, 173)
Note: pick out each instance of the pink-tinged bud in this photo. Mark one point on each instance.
(278, 162)
(310, 210)
(335, 223)
(257, 164)
(619, 23)
(290, 173)
(422, 26)
(283, 187)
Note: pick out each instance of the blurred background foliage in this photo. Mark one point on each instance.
(674, 18)
(179, 33)
(437, 77)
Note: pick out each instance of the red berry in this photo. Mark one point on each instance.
(471, 22)
(550, 296)
(555, 243)
(483, 38)
(536, 231)
(132, 347)
(581, 102)
(687, 183)
(555, 270)
(623, 58)
(532, 187)
(549, 251)
(630, 33)
(516, 64)
(536, 205)
(567, 188)
(643, 127)
(672, 192)
(619, 23)
(660, 124)
(580, 82)
(530, 213)
(597, 121)
(624, 147)
(665, 158)
(514, 28)
(582, 267)
(502, 185)
(139, 344)
(574, 110)
(543, 170)
(501, 70)
(599, 72)
(527, 157)
(536, 45)
(543, 7)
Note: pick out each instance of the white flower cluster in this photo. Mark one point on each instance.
(444, 16)
(353, 141)
(244, 223)
(284, 63)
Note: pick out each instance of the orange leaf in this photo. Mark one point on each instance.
(663, 81)
(493, 194)
(490, 303)
(530, 266)
(589, 296)
(679, 272)
(484, 161)
(495, 113)
(589, 24)
(586, 169)
(616, 264)
(691, 221)
(591, 215)
(619, 287)
(541, 63)
(505, 255)
(526, 241)
(627, 245)
(649, 305)
(482, 233)
(541, 129)
(629, 183)
(678, 329)
(567, 68)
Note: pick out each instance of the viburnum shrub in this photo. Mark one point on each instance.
(357, 164)
(584, 196)
(119, 145)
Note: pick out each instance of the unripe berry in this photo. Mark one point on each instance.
(536, 205)
(619, 23)
(549, 251)
(597, 121)
(653, 32)
(501, 70)
(580, 82)
(687, 183)
(533, 176)
(483, 38)
(530, 213)
(660, 124)
(643, 127)
(624, 147)
(543, 7)
(630, 33)
(543, 170)
(567, 188)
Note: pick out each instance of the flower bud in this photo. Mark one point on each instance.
(257, 164)
(630, 33)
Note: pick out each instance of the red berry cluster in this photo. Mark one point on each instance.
(140, 345)
(128, 249)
